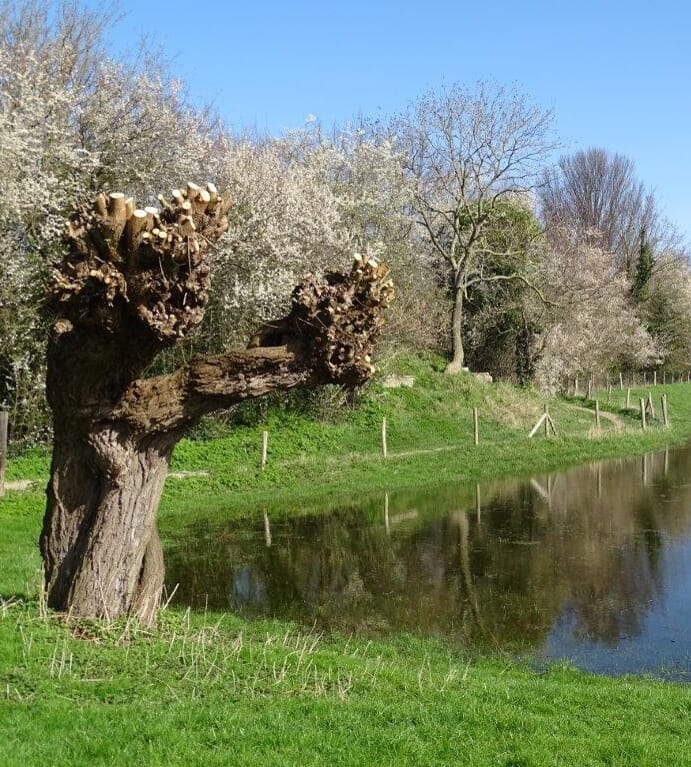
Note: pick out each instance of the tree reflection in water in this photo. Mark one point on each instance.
(590, 552)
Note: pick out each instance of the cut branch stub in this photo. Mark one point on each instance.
(336, 321)
(148, 263)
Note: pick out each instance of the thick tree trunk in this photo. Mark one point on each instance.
(134, 282)
(99, 540)
(458, 355)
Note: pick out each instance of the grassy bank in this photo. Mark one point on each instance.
(430, 440)
(214, 689)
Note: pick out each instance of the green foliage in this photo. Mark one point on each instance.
(644, 269)
(499, 336)
(510, 232)
(666, 311)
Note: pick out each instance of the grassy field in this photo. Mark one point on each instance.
(213, 689)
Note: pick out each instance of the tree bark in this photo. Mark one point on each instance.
(128, 287)
(458, 354)
(99, 541)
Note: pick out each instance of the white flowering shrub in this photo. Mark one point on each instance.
(142, 135)
(284, 222)
(592, 325)
(72, 122)
(367, 174)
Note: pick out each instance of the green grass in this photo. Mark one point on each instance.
(430, 440)
(313, 464)
(212, 690)
(217, 690)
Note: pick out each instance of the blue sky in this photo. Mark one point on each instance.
(616, 74)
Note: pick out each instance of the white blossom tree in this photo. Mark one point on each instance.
(285, 220)
(41, 166)
(367, 174)
(589, 324)
(73, 121)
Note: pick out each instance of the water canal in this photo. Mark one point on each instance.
(592, 565)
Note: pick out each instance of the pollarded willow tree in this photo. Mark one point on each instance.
(132, 283)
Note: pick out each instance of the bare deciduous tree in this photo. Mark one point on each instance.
(466, 154)
(598, 194)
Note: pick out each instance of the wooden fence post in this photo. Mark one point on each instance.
(651, 407)
(545, 419)
(665, 416)
(654, 377)
(590, 388)
(4, 420)
(384, 447)
(628, 398)
(542, 419)
(597, 414)
(643, 424)
(265, 448)
(476, 427)
(621, 381)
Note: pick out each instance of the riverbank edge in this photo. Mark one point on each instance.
(309, 486)
(221, 476)
(416, 473)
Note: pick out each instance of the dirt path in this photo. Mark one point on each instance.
(618, 424)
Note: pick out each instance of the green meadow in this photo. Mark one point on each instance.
(215, 689)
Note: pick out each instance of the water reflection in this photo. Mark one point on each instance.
(592, 564)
